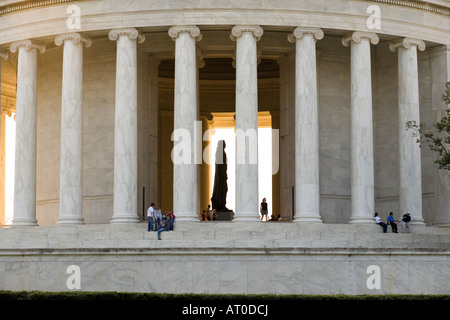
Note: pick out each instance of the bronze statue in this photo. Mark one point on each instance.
(219, 197)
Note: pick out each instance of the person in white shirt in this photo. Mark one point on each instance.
(151, 216)
(382, 224)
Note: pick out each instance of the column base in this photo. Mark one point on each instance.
(186, 219)
(362, 220)
(307, 218)
(70, 220)
(124, 219)
(24, 222)
(248, 216)
(443, 224)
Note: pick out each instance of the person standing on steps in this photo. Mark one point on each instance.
(151, 216)
(263, 209)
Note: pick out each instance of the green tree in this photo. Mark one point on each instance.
(437, 138)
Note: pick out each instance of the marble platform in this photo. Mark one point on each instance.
(227, 257)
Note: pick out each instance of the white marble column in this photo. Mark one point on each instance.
(440, 75)
(285, 189)
(125, 138)
(3, 56)
(247, 202)
(410, 171)
(185, 174)
(153, 188)
(25, 154)
(307, 193)
(71, 155)
(362, 158)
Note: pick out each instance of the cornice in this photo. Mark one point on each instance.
(24, 5)
(418, 4)
(426, 5)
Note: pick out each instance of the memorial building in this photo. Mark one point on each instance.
(115, 106)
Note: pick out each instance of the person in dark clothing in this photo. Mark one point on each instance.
(391, 222)
(263, 209)
(405, 221)
(165, 225)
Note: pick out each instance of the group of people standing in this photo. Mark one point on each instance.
(158, 222)
(406, 219)
(208, 215)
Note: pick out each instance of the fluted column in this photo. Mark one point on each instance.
(25, 155)
(125, 138)
(71, 155)
(307, 193)
(440, 75)
(410, 171)
(185, 174)
(362, 159)
(3, 56)
(247, 202)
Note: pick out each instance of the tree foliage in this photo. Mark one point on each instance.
(437, 138)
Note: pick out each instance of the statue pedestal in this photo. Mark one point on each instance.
(225, 215)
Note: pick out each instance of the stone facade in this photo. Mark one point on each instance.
(102, 87)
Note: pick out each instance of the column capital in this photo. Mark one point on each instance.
(357, 36)
(237, 31)
(300, 32)
(193, 31)
(406, 43)
(132, 33)
(74, 37)
(28, 45)
(3, 54)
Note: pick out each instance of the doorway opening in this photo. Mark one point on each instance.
(223, 130)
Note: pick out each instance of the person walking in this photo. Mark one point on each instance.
(263, 209)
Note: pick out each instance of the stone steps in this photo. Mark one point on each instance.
(203, 235)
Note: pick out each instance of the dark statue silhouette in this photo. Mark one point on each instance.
(219, 197)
